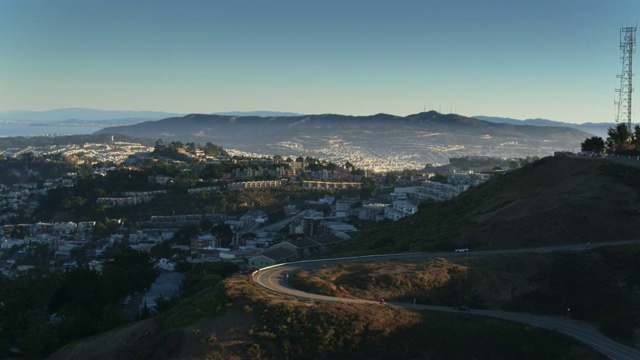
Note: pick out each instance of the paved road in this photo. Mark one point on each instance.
(275, 278)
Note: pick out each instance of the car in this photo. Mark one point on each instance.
(462, 250)
(463, 308)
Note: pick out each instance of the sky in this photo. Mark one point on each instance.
(552, 59)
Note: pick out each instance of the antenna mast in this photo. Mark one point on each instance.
(627, 47)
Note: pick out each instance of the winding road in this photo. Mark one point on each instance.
(275, 278)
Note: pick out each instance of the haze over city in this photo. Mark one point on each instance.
(535, 59)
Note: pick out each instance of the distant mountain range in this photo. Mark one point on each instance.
(82, 116)
(393, 141)
(396, 141)
(75, 116)
(257, 113)
(598, 129)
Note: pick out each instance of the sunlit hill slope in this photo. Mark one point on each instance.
(556, 200)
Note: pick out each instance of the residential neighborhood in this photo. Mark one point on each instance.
(334, 201)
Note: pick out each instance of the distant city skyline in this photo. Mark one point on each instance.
(551, 59)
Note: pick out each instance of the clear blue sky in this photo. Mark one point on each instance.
(555, 59)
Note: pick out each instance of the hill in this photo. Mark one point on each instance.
(598, 129)
(81, 114)
(412, 141)
(37, 141)
(261, 113)
(240, 320)
(553, 201)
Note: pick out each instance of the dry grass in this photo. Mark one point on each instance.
(262, 325)
(481, 282)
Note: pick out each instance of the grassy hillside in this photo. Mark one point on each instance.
(239, 320)
(556, 200)
(600, 285)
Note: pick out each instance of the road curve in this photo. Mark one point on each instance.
(275, 278)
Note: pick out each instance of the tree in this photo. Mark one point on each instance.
(85, 170)
(439, 178)
(74, 202)
(349, 166)
(175, 145)
(112, 317)
(210, 149)
(184, 234)
(528, 160)
(17, 232)
(594, 143)
(27, 156)
(367, 189)
(224, 233)
(162, 250)
(205, 223)
(619, 135)
(163, 304)
(304, 176)
(22, 302)
(36, 337)
(636, 136)
(190, 147)
(99, 230)
(391, 179)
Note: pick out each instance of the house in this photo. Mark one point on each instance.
(9, 243)
(86, 226)
(339, 226)
(343, 206)
(329, 185)
(202, 242)
(159, 179)
(64, 251)
(297, 249)
(304, 247)
(273, 256)
(327, 241)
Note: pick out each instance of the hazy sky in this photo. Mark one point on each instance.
(555, 59)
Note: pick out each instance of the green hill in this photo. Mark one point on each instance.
(553, 201)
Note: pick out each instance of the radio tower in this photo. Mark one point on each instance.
(627, 47)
